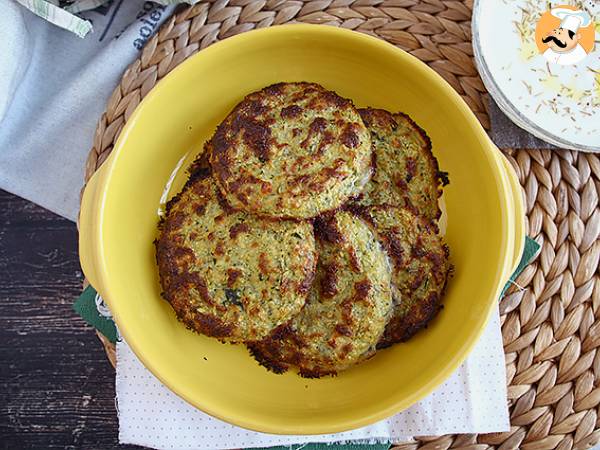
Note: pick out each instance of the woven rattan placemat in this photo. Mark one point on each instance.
(550, 324)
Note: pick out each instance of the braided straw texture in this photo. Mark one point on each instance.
(549, 319)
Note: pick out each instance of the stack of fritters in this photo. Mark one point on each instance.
(307, 231)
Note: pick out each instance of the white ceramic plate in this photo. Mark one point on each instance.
(559, 104)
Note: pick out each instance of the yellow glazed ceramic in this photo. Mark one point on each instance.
(120, 212)
(520, 226)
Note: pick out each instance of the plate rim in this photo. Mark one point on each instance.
(504, 103)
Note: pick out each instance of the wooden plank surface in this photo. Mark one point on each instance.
(56, 385)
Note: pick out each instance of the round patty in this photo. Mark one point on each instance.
(228, 274)
(291, 150)
(347, 308)
(406, 172)
(420, 264)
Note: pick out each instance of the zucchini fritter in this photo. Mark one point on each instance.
(291, 150)
(406, 172)
(420, 264)
(347, 308)
(228, 274)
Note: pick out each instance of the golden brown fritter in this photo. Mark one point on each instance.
(291, 150)
(227, 274)
(347, 308)
(420, 268)
(406, 172)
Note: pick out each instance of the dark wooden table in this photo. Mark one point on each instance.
(57, 389)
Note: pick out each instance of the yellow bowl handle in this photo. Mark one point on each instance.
(89, 232)
(519, 212)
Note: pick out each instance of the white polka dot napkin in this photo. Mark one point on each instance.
(472, 400)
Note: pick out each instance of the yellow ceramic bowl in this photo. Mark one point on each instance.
(119, 218)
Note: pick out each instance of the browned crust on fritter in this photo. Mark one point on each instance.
(374, 117)
(286, 347)
(326, 230)
(267, 362)
(168, 250)
(400, 328)
(268, 354)
(174, 261)
(251, 124)
(200, 167)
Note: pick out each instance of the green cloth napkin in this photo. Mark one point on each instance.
(529, 252)
(91, 308)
